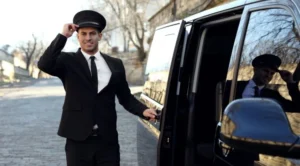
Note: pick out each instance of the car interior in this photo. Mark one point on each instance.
(219, 37)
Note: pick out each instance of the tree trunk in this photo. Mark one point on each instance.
(124, 46)
(174, 10)
(125, 42)
(141, 54)
(28, 60)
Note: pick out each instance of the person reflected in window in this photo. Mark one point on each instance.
(265, 66)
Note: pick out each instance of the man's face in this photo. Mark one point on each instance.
(88, 38)
(263, 75)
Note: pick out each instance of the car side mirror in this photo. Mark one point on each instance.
(259, 125)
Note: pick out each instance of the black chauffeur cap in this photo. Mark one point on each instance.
(267, 60)
(89, 18)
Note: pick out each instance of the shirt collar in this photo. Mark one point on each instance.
(253, 84)
(87, 56)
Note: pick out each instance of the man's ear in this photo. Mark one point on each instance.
(256, 70)
(100, 36)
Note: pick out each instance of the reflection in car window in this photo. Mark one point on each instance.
(159, 63)
(270, 56)
(160, 56)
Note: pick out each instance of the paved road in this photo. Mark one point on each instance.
(29, 118)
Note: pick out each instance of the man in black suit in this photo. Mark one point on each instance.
(265, 66)
(91, 80)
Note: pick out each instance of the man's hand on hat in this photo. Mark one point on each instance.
(286, 76)
(69, 29)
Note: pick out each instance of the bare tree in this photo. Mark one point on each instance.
(272, 31)
(112, 25)
(127, 15)
(31, 49)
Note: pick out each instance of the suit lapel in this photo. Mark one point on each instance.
(241, 85)
(84, 65)
(265, 92)
(110, 63)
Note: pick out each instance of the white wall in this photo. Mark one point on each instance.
(19, 63)
(8, 69)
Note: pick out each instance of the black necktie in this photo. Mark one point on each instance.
(256, 91)
(94, 73)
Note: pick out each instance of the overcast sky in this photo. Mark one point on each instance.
(45, 18)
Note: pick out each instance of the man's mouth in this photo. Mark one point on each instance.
(89, 44)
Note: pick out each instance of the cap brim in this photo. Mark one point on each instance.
(277, 70)
(273, 68)
(90, 25)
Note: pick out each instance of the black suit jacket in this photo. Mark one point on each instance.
(82, 103)
(287, 105)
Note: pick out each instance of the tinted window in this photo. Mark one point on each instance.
(159, 62)
(271, 32)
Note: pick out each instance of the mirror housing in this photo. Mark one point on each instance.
(259, 125)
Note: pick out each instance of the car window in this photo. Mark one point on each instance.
(159, 62)
(271, 35)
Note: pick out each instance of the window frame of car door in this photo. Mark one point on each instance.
(289, 6)
(156, 104)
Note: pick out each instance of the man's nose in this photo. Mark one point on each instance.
(88, 37)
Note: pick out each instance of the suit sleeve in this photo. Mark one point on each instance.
(51, 61)
(126, 99)
(294, 91)
(288, 105)
(295, 95)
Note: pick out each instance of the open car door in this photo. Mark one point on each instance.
(171, 36)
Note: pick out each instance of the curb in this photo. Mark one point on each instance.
(22, 83)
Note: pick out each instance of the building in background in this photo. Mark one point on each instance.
(6, 66)
(178, 9)
(13, 67)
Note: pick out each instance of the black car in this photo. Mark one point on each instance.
(202, 120)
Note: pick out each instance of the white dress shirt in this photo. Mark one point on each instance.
(103, 70)
(249, 89)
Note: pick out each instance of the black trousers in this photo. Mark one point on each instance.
(92, 152)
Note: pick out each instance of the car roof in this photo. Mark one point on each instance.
(218, 9)
(214, 10)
